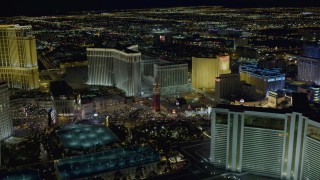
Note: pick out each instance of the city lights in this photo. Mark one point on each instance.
(160, 90)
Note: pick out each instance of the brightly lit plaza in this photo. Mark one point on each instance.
(78, 136)
(104, 162)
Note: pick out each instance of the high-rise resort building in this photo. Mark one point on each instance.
(5, 113)
(18, 57)
(118, 67)
(309, 70)
(279, 143)
(171, 77)
(309, 64)
(205, 71)
(312, 50)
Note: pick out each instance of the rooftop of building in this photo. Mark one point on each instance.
(310, 86)
(254, 70)
(308, 58)
(166, 63)
(105, 161)
(212, 57)
(149, 58)
(312, 111)
(30, 94)
(124, 48)
(60, 88)
(78, 136)
(146, 59)
(20, 174)
(76, 76)
(312, 44)
(7, 26)
(241, 108)
(228, 75)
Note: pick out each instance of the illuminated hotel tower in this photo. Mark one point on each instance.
(156, 97)
(279, 143)
(205, 71)
(119, 67)
(5, 117)
(18, 57)
(309, 64)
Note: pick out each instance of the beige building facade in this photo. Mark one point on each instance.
(18, 57)
(205, 71)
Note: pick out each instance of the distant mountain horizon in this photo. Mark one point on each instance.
(54, 7)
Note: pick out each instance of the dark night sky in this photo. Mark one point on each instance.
(49, 7)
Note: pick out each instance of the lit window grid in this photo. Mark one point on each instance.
(6, 126)
(114, 67)
(18, 57)
(288, 153)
